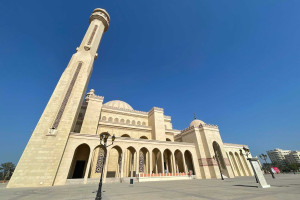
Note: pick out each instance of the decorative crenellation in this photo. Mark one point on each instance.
(187, 129)
(127, 110)
(94, 97)
(101, 15)
(192, 127)
(208, 126)
(91, 95)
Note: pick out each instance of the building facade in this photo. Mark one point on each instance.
(278, 156)
(293, 157)
(64, 147)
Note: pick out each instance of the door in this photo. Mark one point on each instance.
(79, 167)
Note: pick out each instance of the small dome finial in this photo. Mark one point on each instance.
(92, 91)
(195, 116)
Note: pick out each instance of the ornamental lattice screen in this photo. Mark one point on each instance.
(141, 161)
(100, 160)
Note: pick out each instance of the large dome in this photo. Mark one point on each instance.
(119, 104)
(196, 123)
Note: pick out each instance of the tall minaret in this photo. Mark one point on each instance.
(41, 158)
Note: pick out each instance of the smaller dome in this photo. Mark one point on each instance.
(196, 123)
(119, 104)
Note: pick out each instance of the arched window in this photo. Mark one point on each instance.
(125, 135)
(138, 123)
(127, 121)
(116, 120)
(144, 137)
(133, 122)
(168, 139)
(104, 118)
(110, 119)
(144, 123)
(122, 121)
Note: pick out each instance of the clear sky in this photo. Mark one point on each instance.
(234, 63)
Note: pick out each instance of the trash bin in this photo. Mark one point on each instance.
(131, 181)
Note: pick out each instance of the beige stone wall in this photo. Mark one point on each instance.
(92, 113)
(157, 123)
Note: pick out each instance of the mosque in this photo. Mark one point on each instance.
(65, 147)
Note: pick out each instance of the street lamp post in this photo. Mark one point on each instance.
(103, 136)
(247, 153)
(264, 157)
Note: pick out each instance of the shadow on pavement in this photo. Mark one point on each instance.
(246, 186)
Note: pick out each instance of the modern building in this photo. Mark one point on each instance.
(293, 157)
(278, 156)
(64, 147)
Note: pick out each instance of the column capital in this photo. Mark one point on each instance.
(101, 15)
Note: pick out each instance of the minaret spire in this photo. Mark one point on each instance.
(41, 158)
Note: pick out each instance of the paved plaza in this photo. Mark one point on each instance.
(285, 186)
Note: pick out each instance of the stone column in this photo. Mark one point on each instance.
(106, 164)
(137, 171)
(126, 163)
(162, 162)
(147, 162)
(92, 114)
(184, 163)
(174, 164)
(88, 167)
(150, 162)
(130, 156)
(122, 164)
(157, 123)
(167, 164)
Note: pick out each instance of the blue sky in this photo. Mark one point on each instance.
(234, 63)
